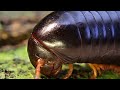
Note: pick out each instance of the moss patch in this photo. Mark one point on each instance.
(15, 64)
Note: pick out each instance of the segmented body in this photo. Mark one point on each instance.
(82, 36)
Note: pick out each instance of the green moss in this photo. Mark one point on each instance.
(15, 64)
(109, 75)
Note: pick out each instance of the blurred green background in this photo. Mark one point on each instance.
(15, 29)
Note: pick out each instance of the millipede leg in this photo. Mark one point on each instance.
(58, 70)
(97, 66)
(109, 67)
(94, 71)
(69, 72)
(40, 63)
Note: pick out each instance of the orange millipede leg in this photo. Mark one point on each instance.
(97, 66)
(58, 70)
(40, 63)
(94, 71)
(69, 72)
